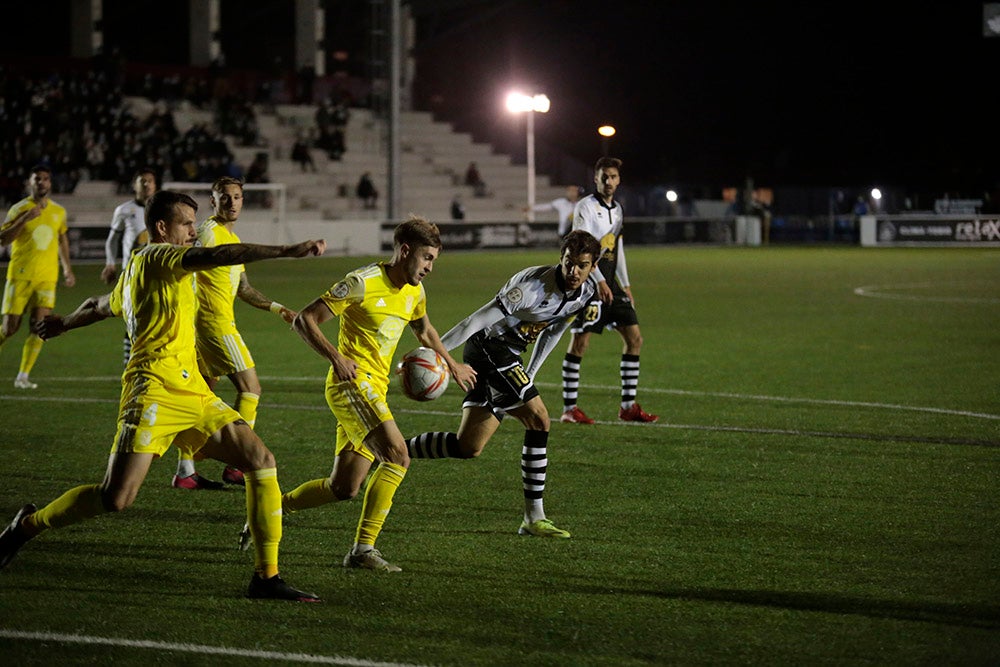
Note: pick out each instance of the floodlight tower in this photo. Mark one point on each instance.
(529, 105)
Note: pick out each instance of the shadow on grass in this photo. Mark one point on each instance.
(846, 435)
(960, 614)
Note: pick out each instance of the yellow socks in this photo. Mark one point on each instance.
(264, 518)
(74, 506)
(311, 494)
(246, 405)
(378, 500)
(29, 353)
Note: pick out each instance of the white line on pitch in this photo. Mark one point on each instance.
(650, 390)
(196, 648)
(879, 292)
(693, 427)
(815, 401)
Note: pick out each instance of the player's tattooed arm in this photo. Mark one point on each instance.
(198, 258)
(94, 309)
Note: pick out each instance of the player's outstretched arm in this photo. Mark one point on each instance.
(428, 336)
(488, 315)
(229, 254)
(94, 309)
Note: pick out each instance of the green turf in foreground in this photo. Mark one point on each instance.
(822, 490)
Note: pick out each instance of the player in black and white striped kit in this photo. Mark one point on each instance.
(535, 306)
(601, 216)
(128, 232)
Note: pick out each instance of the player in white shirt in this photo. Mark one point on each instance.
(128, 232)
(602, 216)
(536, 305)
(563, 206)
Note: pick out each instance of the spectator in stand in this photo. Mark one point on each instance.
(331, 121)
(323, 117)
(457, 208)
(339, 117)
(366, 190)
(257, 173)
(301, 154)
(236, 117)
(474, 178)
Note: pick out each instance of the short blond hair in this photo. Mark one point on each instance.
(417, 231)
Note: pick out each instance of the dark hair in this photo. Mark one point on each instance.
(163, 206)
(605, 162)
(417, 232)
(147, 170)
(223, 181)
(580, 242)
(40, 167)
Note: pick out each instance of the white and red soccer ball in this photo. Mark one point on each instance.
(423, 374)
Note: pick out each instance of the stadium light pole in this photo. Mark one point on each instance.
(529, 105)
(606, 132)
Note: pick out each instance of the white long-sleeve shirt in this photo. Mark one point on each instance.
(532, 307)
(128, 223)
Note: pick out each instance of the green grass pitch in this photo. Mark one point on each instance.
(821, 489)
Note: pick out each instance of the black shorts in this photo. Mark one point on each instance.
(501, 381)
(598, 316)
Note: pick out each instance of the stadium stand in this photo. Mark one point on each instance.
(433, 161)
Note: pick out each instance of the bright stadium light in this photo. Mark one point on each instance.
(529, 105)
(606, 132)
(876, 194)
(671, 196)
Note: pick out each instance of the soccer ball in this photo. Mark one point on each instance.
(423, 374)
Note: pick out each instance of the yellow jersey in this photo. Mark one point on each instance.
(34, 254)
(155, 295)
(373, 313)
(217, 287)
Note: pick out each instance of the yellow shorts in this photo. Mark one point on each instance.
(223, 355)
(151, 414)
(18, 295)
(359, 406)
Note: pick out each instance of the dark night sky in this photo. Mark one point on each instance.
(808, 94)
(813, 93)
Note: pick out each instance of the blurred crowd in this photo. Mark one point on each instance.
(81, 127)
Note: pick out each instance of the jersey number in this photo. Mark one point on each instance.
(517, 377)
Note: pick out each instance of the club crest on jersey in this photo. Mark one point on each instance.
(607, 245)
(340, 290)
(515, 295)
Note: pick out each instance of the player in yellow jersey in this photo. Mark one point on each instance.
(35, 229)
(374, 304)
(164, 396)
(221, 350)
